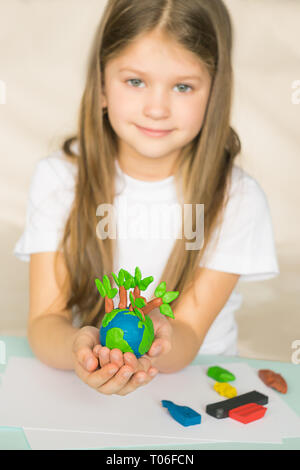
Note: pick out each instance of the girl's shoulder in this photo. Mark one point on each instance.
(245, 190)
(244, 242)
(54, 171)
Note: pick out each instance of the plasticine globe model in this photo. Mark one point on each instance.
(129, 328)
(122, 329)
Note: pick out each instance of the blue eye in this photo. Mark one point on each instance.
(182, 84)
(138, 80)
(133, 80)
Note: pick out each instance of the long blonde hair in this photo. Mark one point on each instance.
(205, 164)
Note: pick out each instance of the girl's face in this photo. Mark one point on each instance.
(159, 85)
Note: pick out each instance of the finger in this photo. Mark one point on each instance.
(86, 358)
(138, 380)
(160, 346)
(101, 376)
(144, 364)
(104, 356)
(97, 349)
(116, 356)
(81, 371)
(114, 384)
(130, 359)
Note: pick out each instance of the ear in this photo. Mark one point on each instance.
(103, 96)
(103, 101)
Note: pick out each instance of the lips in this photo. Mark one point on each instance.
(154, 132)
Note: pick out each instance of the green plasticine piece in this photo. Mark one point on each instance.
(219, 374)
(114, 339)
(109, 316)
(148, 336)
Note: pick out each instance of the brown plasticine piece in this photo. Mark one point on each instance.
(271, 379)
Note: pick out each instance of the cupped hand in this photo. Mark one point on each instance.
(114, 375)
(85, 362)
(134, 372)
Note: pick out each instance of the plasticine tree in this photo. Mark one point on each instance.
(130, 329)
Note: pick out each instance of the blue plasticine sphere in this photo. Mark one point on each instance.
(123, 329)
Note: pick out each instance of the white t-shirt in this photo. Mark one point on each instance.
(245, 245)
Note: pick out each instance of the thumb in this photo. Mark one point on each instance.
(84, 353)
(161, 345)
(163, 333)
(87, 359)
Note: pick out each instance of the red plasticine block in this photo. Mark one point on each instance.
(247, 413)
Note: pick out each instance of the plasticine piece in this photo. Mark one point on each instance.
(183, 414)
(247, 413)
(273, 380)
(226, 390)
(220, 410)
(219, 374)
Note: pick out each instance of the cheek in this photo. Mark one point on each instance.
(192, 118)
(122, 104)
(192, 114)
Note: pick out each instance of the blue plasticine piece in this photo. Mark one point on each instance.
(183, 414)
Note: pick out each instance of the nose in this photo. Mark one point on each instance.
(157, 104)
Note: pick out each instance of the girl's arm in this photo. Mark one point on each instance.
(50, 331)
(194, 313)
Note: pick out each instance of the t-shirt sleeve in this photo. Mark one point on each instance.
(49, 202)
(244, 243)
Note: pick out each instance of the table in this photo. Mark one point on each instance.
(14, 438)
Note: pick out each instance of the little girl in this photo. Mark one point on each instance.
(153, 134)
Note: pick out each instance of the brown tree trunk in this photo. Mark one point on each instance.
(123, 297)
(152, 305)
(109, 305)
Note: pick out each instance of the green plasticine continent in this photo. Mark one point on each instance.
(219, 374)
(108, 317)
(148, 335)
(114, 339)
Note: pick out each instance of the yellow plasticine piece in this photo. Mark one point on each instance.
(225, 389)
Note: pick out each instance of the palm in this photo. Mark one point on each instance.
(162, 331)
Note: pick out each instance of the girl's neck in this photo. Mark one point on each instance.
(147, 169)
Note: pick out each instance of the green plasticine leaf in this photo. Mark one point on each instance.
(139, 314)
(100, 287)
(127, 284)
(166, 310)
(112, 293)
(144, 283)
(140, 303)
(148, 280)
(127, 274)
(129, 280)
(140, 285)
(106, 283)
(137, 275)
(131, 299)
(121, 277)
(116, 279)
(170, 296)
(160, 290)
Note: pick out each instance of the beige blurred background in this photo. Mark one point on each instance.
(43, 55)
